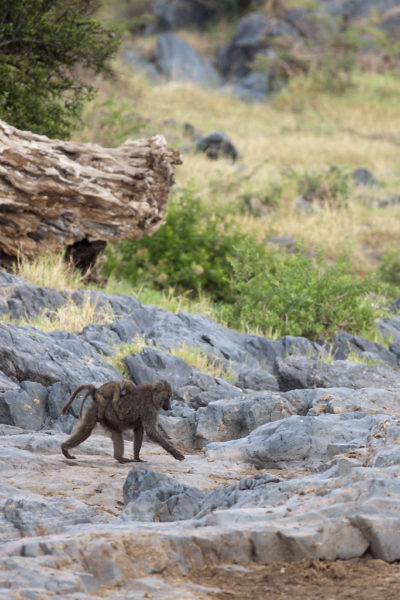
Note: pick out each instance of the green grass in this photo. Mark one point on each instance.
(305, 141)
(299, 132)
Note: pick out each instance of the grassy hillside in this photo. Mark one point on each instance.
(306, 140)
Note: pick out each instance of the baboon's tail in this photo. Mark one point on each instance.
(91, 390)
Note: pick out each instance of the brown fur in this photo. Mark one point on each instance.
(137, 409)
(112, 390)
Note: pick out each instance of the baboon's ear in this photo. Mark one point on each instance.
(158, 386)
(157, 394)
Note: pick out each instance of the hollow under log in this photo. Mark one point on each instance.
(57, 195)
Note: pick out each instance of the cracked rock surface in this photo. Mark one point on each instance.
(305, 468)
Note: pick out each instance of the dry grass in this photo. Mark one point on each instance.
(167, 299)
(49, 270)
(117, 360)
(195, 357)
(299, 130)
(365, 234)
(73, 318)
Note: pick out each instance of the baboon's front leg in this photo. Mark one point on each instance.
(118, 442)
(156, 437)
(137, 443)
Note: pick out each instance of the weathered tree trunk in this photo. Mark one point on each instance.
(58, 195)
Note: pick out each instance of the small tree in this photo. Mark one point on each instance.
(49, 50)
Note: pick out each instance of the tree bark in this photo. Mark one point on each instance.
(58, 195)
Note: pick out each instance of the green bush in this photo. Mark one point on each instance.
(50, 51)
(253, 289)
(331, 186)
(269, 198)
(294, 295)
(190, 253)
(118, 122)
(229, 8)
(388, 275)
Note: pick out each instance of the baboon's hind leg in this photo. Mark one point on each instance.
(83, 431)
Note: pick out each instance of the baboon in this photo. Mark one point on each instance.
(110, 391)
(138, 410)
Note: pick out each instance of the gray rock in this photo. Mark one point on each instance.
(232, 349)
(391, 24)
(217, 144)
(356, 9)
(151, 365)
(178, 61)
(181, 429)
(389, 327)
(180, 409)
(27, 515)
(181, 14)
(317, 401)
(344, 344)
(58, 395)
(267, 352)
(254, 86)
(231, 419)
(392, 200)
(22, 300)
(24, 407)
(364, 177)
(335, 449)
(101, 338)
(188, 383)
(249, 39)
(126, 328)
(338, 519)
(6, 383)
(384, 444)
(257, 379)
(253, 37)
(300, 372)
(139, 63)
(148, 494)
(35, 582)
(310, 24)
(284, 242)
(301, 441)
(27, 354)
(121, 305)
(190, 131)
(45, 444)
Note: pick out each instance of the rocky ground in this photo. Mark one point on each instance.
(290, 482)
(258, 34)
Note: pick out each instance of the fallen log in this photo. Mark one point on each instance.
(57, 195)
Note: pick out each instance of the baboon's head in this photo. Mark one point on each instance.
(162, 393)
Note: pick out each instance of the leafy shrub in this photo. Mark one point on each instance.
(389, 269)
(189, 253)
(255, 289)
(49, 53)
(293, 295)
(269, 198)
(118, 121)
(334, 65)
(229, 8)
(330, 186)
